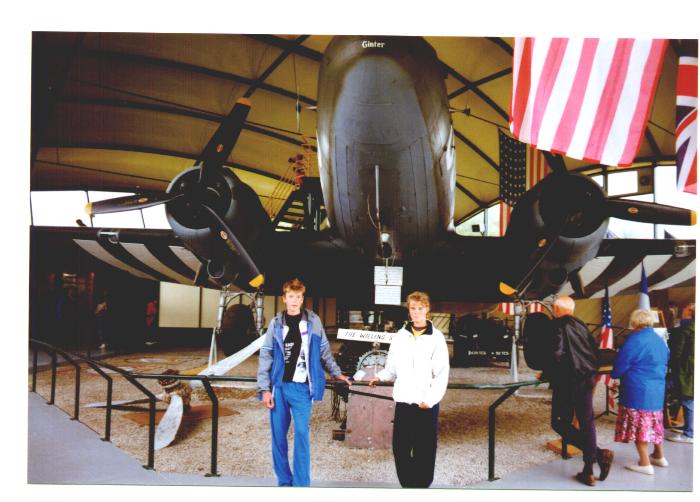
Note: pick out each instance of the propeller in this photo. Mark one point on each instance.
(234, 245)
(574, 206)
(648, 212)
(198, 196)
(128, 203)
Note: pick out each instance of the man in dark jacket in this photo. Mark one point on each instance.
(572, 370)
(682, 346)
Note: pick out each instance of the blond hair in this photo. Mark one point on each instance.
(641, 318)
(294, 285)
(420, 297)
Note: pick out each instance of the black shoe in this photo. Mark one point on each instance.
(586, 479)
(605, 462)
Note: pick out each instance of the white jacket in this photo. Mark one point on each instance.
(420, 366)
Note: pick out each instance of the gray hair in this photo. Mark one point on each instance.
(641, 318)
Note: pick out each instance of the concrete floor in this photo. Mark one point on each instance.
(64, 451)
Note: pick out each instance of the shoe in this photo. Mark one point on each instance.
(605, 462)
(680, 438)
(586, 479)
(660, 462)
(102, 346)
(642, 469)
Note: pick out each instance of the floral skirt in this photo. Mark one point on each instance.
(639, 426)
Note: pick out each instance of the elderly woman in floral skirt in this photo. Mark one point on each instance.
(641, 367)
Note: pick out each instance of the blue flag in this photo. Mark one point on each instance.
(644, 292)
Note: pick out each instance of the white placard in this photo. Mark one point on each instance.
(360, 335)
(387, 295)
(388, 276)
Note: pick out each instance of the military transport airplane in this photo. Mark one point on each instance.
(387, 173)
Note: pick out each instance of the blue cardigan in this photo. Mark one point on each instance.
(641, 367)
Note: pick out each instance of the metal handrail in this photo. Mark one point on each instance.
(206, 380)
(93, 365)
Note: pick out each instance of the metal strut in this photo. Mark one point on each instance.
(226, 296)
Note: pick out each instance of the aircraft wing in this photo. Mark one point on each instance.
(469, 268)
(151, 254)
(458, 269)
(326, 265)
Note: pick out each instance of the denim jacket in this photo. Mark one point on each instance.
(271, 359)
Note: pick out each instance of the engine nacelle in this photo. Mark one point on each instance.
(235, 202)
(564, 207)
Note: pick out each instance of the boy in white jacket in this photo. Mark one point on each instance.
(419, 363)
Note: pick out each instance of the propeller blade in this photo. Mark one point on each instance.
(648, 212)
(201, 277)
(255, 278)
(577, 283)
(224, 139)
(128, 203)
(517, 285)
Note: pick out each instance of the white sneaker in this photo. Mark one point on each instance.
(680, 438)
(660, 462)
(642, 469)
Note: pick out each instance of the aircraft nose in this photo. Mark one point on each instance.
(379, 103)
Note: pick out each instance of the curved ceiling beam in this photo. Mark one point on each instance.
(167, 63)
(287, 45)
(477, 150)
(183, 112)
(502, 44)
(156, 151)
(275, 64)
(465, 82)
(481, 81)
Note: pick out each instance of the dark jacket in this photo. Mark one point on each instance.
(641, 367)
(574, 353)
(682, 344)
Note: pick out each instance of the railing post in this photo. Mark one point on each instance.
(492, 431)
(53, 376)
(151, 432)
(108, 413)
(214, 427)
(35, 363)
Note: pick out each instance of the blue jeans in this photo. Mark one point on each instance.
(688, 414)
(292, 401)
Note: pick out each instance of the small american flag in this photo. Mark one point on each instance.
(606, 341)
(522, 167)
(687, 118)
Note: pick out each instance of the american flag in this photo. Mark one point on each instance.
(522, 167)
(687, 118)
(606, 340)
(587, 98)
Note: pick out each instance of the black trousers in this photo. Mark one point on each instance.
(415, 444)
(570, 397)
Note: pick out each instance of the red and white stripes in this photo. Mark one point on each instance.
(584, 98)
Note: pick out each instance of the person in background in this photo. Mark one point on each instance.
(290, 377)
(419, 363)
(572, 370)
(682, 346)
(151, 321)
(100, 314)
(641, 367)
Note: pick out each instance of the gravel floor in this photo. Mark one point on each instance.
(244, 443)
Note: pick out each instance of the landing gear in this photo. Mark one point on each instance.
(237, 324)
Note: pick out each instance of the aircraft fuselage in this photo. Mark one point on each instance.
(385, 143)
